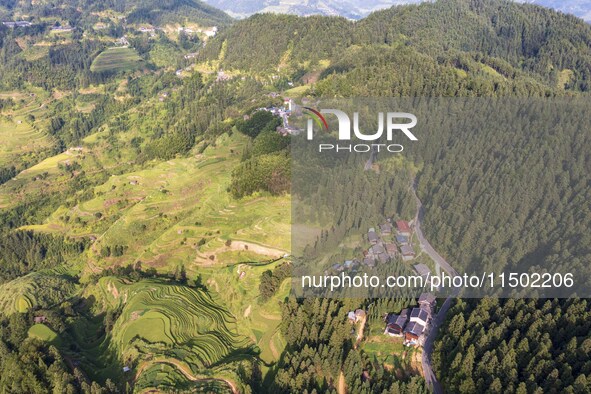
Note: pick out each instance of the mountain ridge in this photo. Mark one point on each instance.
(357, 9)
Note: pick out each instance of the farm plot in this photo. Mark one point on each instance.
(44, 333)
(36, 290)
(178, 322)
(116, 60)
(19, 139)
(237, 287)
(179, 212)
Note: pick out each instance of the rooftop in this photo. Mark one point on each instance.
(422, 269)
(427, 298)
(419, 314)
(402, 239)
(407, 250)
(377, 249)
(391, 248)
(402, 226)
(372, 236)
(414, 328)
(386, 228)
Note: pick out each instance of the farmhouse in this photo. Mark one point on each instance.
(419, 315)
(395, 323)
(122, 41)
(377, 249)
(407, 252)
(351, 265)
(40, 319)
(402, 239)
(403, 228)
(351, 317)
(356, 316)
(427, 301)
(412, 329)
(391, 249)
(372, 236)
(212, 32)
(422, 270)
(386, 229)
(413, 333)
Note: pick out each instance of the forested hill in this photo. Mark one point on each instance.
(534, 38)
(553, 48)
(136, 11)
(264, 42)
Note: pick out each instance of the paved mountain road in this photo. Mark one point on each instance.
(438, 319)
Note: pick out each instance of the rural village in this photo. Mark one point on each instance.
(386, 244)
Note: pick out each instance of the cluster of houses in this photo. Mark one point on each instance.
(61, 29)
(412, 325)
(56, 27)
(17, 24)
(385, 244)
(208, 33)
(283, 112)
(381, 250)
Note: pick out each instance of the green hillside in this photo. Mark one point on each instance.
(515, 41)
(145, 199)
(155, 12)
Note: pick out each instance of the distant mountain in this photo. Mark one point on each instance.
(136, 11)
(580, 8)
(357, 9)
(352, 9)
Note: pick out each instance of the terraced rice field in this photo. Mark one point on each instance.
(237, 287)
(116, 59)
(177, 321)
(34, 290)
(166, 377)
(20, 139)
(179, 212)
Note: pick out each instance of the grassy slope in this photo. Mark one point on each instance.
(180, 202)
(162, 212)
(44, 333)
